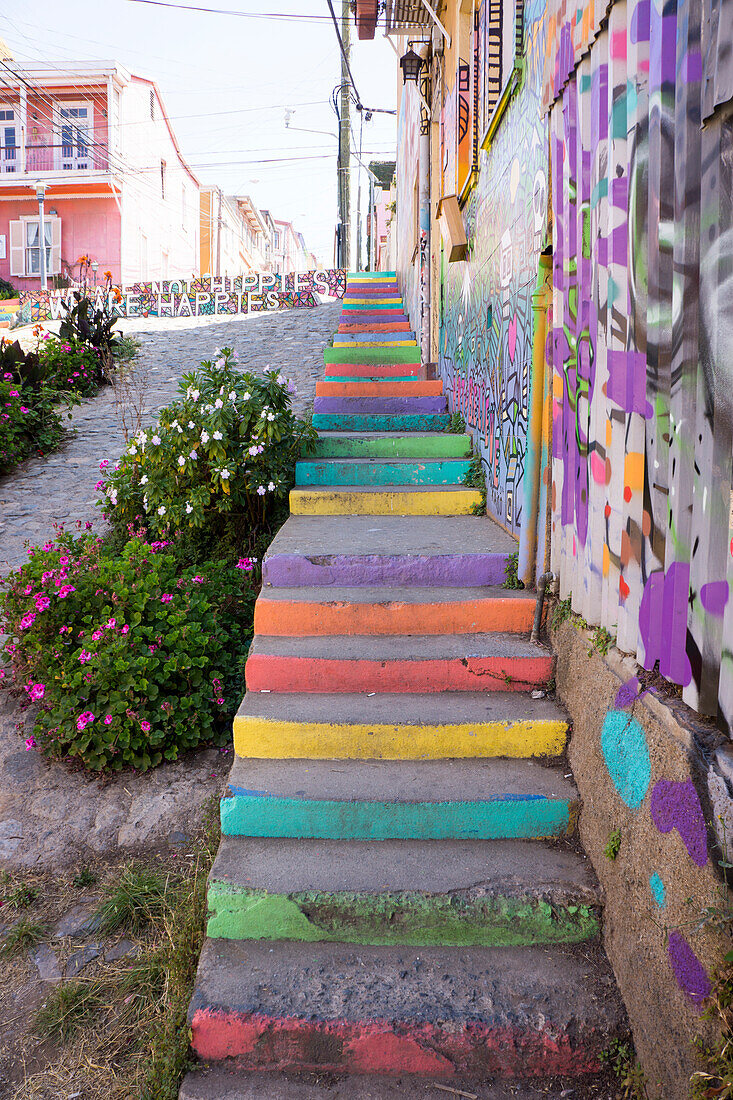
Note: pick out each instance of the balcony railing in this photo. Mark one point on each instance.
(80, 156)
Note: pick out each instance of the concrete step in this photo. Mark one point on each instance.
(381, 422)
(381, 387)
(394, 406)
(404, 500)
(399, 799)
(370, 371)
(371, 355)
(367, 325)
(462, 551)
(443, 892)
(383, 726)
(390, 445)
(227, 1084)
(403, 610)
(376, 471)
(477, 1012)
(397, 663)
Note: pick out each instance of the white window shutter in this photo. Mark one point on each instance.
(55, 268)
(17, 248)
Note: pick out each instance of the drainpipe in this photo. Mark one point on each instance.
(423, 191)
(543, 583)
(527, 562)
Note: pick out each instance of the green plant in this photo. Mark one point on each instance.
(72, 366)
(21, 937)
(30, 413)
(126, 348)
(456, 424)
(221, 458)
(474, 478)
(7, 290)
(21, 897)
(620, 1058)
(131, 657)
(562, 612)
(85, 322)
(511, 572)
(602, 640)
(138, 897)
(83, 878)
(613, 844)
(67, 1008)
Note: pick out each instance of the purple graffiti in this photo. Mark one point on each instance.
(690, 975)
(628, 693)
(627, 381)
(675, 805)
(663, 622)
(714, 597)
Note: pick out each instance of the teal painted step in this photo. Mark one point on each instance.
(369, 471)
(252, 813)
(391, 446)
(381, 355)
(371, 378)
(397, 306)
(380, 422)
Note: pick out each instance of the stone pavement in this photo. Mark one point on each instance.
(59, 488)
(51, 817)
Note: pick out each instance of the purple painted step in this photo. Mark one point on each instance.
(349, 571)
(393, 405)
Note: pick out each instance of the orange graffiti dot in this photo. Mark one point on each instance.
(627, 494)
(607, 511)
(646, 524)
(623, 588)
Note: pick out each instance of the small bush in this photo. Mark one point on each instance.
(30, 406)
(7, 290)
(220, 458)
(136, 899)
(511, 572)
(131, 657)
(72, 366)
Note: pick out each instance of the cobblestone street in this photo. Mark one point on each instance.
(59, 488)
(50, 816)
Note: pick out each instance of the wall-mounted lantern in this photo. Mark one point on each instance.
(410, 63)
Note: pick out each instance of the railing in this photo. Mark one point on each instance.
(79, 156)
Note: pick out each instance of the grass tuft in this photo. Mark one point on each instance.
(24, 935)
(138, 898)
(67, 1008)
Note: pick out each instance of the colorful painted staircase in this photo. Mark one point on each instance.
(398, 888)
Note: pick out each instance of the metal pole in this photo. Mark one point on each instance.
(357, 265)
(41, 193)
(344, 134)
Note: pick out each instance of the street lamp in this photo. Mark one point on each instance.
(95, 269)
(410, 63)
(40, 195)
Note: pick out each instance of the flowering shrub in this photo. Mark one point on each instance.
(30, 420)
(72, 366)
(225, 450)
(129, 657)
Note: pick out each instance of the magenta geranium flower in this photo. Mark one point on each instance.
(36, 692)
(145, 727)
(30, 743)
(66, 590)
(166, 597)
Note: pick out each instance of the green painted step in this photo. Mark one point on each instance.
(388, 799)
(455, 893)
(381, 422)
(371, 471)
(415, 445)
(371, 355)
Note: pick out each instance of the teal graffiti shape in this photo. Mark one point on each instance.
(657, 888)
(627, 757)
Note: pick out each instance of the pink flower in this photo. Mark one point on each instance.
(47, 576)
(104, 464)
(152, 648)
(30, 743)
(28, 589)
(107, 719)
(96, 635)
(37, 692)
(84, 719)
(27, 620)
(246, 563)
(110, 624)
(66, 590)
(23, 409)
(64, 560)
(145, 727)
(166, 597)
(42, 602)
(220, 701)
(85, 656)
(197, 580)
(125, 629)
(100, 484)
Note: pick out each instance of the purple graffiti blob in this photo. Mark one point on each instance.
(690, 974)
(663, 622)
(714, 597)
(675, 805)
(628, 693)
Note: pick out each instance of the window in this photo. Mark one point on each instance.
(152, 104)
(162, 179)
(25, 247)
(74, 126)
(8, 140)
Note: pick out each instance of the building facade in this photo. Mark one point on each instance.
(236, 237)
(117, 189)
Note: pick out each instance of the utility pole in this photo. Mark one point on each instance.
(345, 138)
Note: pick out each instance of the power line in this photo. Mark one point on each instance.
(237, 14)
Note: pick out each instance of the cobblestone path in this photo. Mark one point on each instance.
(59, 488)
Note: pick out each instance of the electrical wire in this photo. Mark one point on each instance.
(238, 14)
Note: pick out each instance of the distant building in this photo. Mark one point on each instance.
(381, 207)
(235, 234)
(117, 188)
(289, 249)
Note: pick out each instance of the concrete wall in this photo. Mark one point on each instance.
(648, 766)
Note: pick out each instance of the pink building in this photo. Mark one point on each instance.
(117, 188)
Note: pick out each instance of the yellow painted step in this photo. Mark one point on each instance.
(384, 502)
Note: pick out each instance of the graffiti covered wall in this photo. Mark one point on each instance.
(641, 344)
(486, 323)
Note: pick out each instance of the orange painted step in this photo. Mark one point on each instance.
(370, 370)
(286, 613)
(387, 388)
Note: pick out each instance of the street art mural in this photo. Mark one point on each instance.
(486, 330)
(641, 342)
(251, 293)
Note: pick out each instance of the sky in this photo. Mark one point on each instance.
(229, 83)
